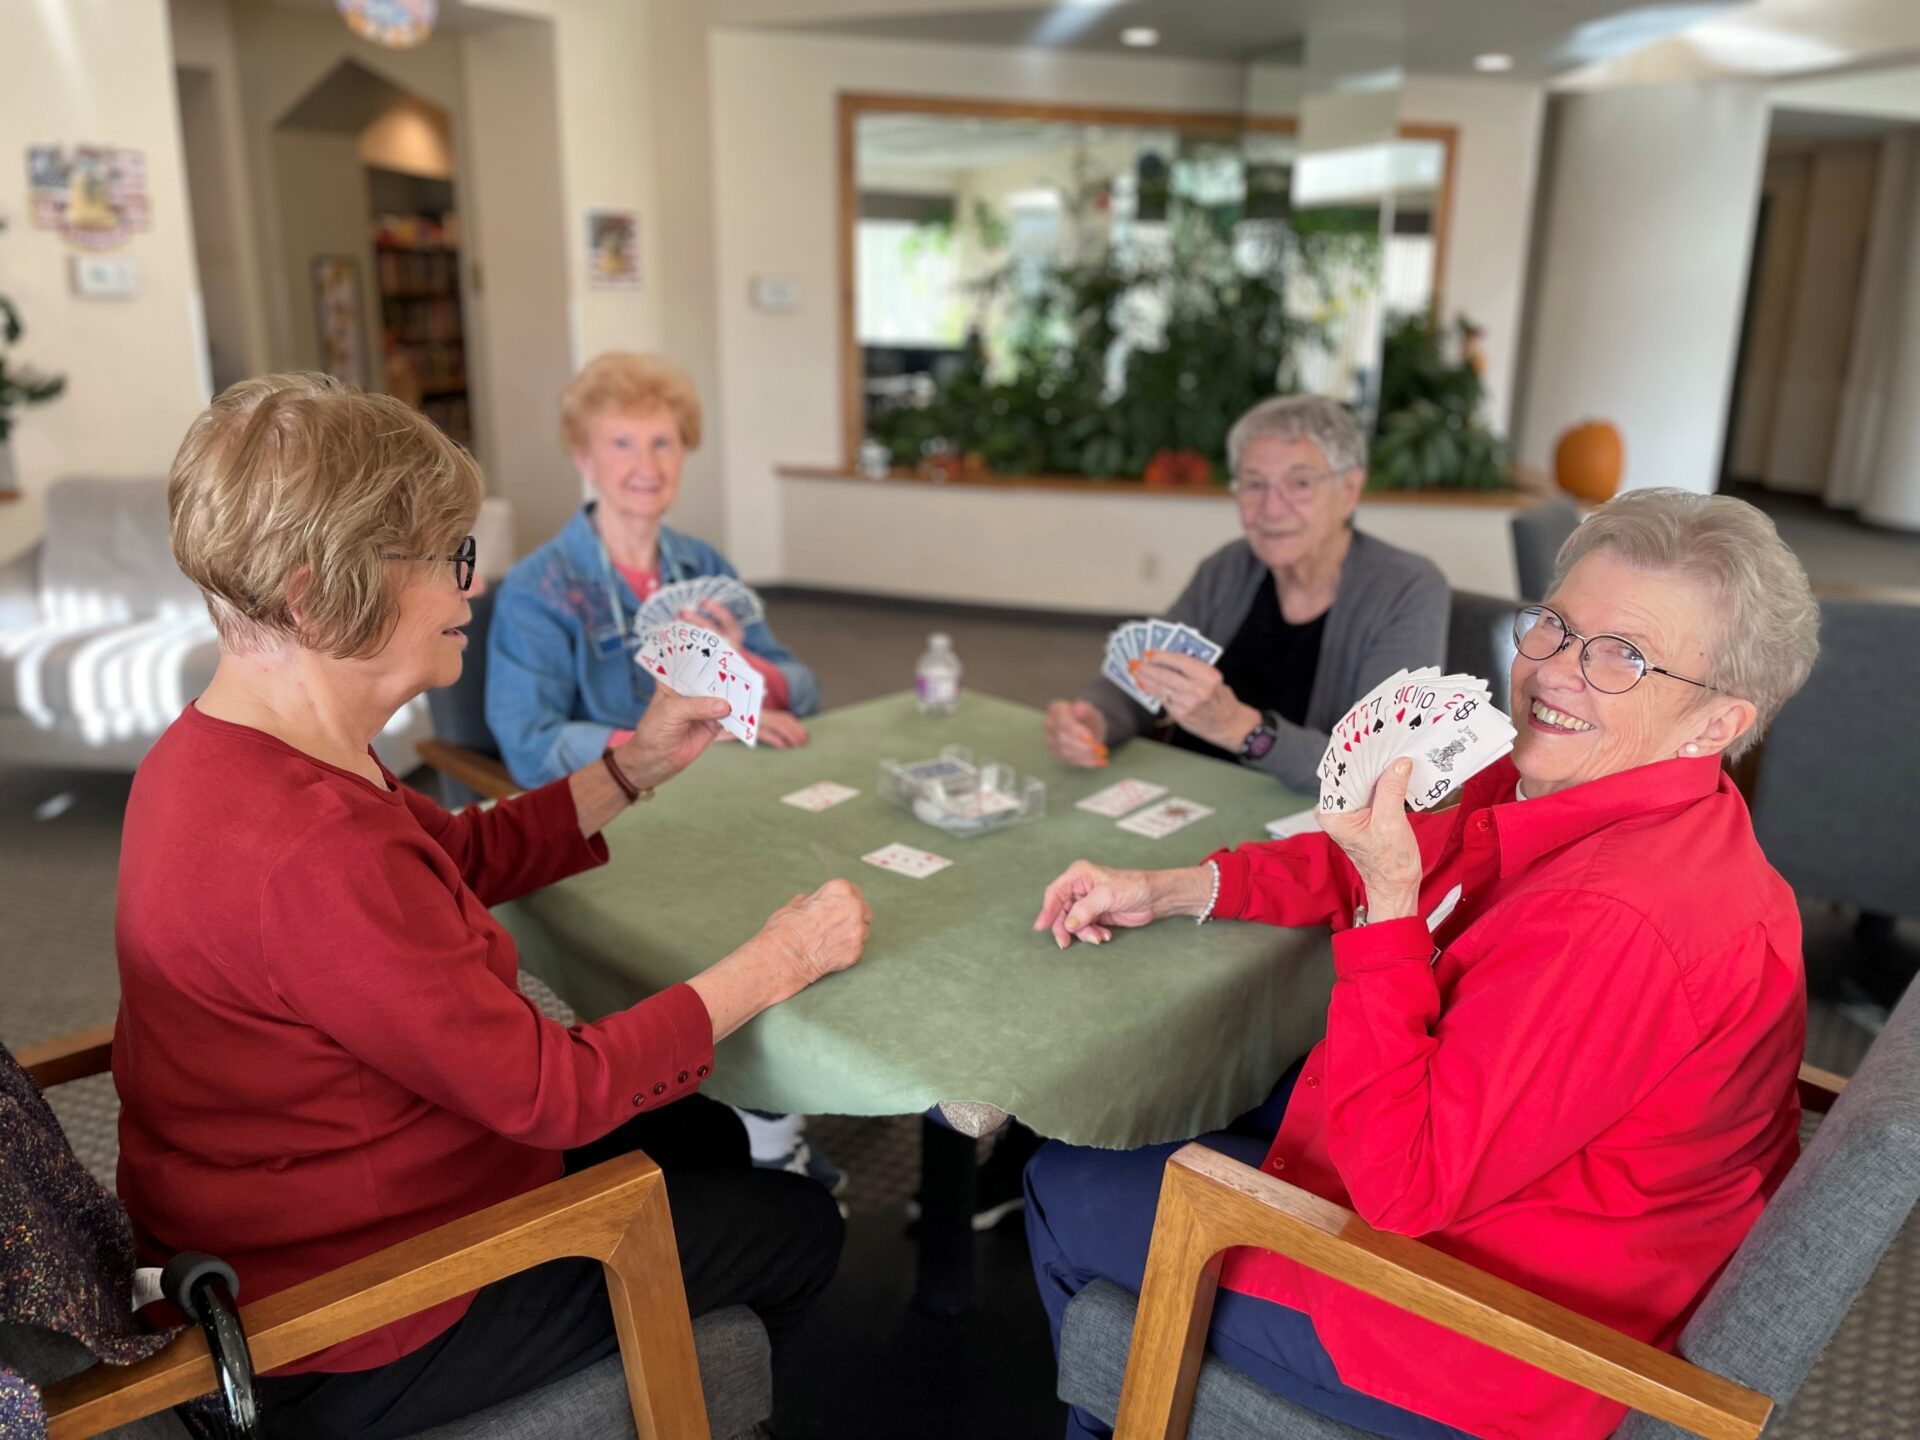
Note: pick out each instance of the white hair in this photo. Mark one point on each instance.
(1769, 620)
(1302, 417)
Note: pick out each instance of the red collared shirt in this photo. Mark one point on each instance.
(322, 1047)
(1583, 1082)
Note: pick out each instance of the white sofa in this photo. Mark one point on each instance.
(103, 641)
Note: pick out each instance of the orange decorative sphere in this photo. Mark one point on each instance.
(1588, 461)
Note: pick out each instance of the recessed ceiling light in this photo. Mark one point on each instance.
(1140, 36)
(1492, 63)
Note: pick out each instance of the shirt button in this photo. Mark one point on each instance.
(1277, 1165)
(660, 1087)
(1313, 1082)
(1483, 823)
(703, 1071)
(683, 1077)
(639, 1099)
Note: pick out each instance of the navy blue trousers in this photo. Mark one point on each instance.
(1090, 1217)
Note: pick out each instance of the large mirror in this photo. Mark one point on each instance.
(1096, 295)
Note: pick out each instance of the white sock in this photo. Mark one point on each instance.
(771, 1138)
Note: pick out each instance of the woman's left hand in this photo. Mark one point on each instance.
(1197, 697)
(714, 616)
(782, 730)
(1379, 841)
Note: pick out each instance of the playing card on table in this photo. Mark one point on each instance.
(1444, 723)
(821, 795)
(905, 860)
(1165, 818)
(1120, 797)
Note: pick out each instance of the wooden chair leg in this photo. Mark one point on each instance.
(1170, 1326)
(656, 1335)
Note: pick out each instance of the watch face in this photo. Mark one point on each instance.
(1259, 743)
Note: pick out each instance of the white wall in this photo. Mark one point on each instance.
(1643, 257)
(777, 199)
(1784, 184)
(96, 72)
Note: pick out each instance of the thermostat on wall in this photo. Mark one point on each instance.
(105, 277)
(778, 294)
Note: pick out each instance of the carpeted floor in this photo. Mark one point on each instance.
(869, 1359)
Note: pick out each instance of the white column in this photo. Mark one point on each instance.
(1893, 494)
(1642, 259)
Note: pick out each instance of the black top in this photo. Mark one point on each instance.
(1269, 664)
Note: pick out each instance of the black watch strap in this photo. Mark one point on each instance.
(1262, 738)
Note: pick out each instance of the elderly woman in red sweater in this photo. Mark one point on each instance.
(1567, 1014)
(322, 1048)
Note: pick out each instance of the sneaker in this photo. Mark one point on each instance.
(803, 1159)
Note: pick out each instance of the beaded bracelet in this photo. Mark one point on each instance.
(1214, 898)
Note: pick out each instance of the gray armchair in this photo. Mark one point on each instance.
(1538, 533)
(1742, 1357)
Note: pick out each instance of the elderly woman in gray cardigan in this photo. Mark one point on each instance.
(1312, 613)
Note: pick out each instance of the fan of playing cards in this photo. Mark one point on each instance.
(665, 604)
(1134, 641)
(692, 661)
(1444, 722)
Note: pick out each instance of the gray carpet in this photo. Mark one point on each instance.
(59, 845)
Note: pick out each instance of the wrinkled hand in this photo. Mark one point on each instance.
(712, 615)
(1077, 734)
(1379, 841)
(672, 732)
(782, 730)
(1197, 697)
(1089, 902)
(820, 933)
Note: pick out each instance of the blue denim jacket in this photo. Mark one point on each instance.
(560, 675)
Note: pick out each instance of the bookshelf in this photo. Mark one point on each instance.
(423, 336)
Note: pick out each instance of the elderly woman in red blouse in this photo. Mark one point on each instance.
(322, 1048)
(1566, 1017)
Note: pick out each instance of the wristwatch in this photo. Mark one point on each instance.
(1262, 738)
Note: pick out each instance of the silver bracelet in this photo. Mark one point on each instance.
(1214, 898)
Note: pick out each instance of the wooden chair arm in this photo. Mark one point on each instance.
(1819, 1088)
(1209, 1203)
(615, 1213)
(481, 774)
(71, 1057)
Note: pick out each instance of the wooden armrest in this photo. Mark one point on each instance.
(71, 1057)
(1819, 1088)
(479, 773)
(615, 1213)
(1209, 1203)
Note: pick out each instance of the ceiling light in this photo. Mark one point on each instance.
(1140, 36)
(1493, 62)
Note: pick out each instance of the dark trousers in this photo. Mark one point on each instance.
(762, 1238)
(1090, 1216)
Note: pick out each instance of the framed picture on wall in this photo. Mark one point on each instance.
(339, 318)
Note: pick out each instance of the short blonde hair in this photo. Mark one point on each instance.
(629, 384)
(1769, 621)
(296, 490)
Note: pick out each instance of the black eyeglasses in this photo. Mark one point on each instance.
(1612, 664)
(461, 559)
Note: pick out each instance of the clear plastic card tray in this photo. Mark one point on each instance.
(962, 797)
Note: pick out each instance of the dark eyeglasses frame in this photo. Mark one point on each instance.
(462, 559)
(1568, 635)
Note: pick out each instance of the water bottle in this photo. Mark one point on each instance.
(936, 679)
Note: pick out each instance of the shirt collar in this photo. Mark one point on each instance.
(1528, 829)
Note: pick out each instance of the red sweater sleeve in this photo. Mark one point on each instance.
(514, 847)
(1546, 1039)
(365, 940)
(1302, 880)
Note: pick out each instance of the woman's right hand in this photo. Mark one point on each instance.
(1089, 902)
(820, 933)
(1077, 734)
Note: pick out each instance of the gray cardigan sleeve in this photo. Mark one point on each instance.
(1405, 629)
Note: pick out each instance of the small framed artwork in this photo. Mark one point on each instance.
(613, 249)
(339, 318)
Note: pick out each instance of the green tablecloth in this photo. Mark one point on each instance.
(1166, 1032)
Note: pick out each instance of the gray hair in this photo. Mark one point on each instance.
(1769, 620)
(1302, 417)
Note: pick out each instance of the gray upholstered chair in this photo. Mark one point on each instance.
(1538, 533)
(1834, 754)
(1741, 1358)
(1480, 641)
(715, 1372)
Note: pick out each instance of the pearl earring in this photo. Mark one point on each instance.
(1690, 748)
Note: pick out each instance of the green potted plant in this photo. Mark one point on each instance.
(20, 386)
(1431, 436)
